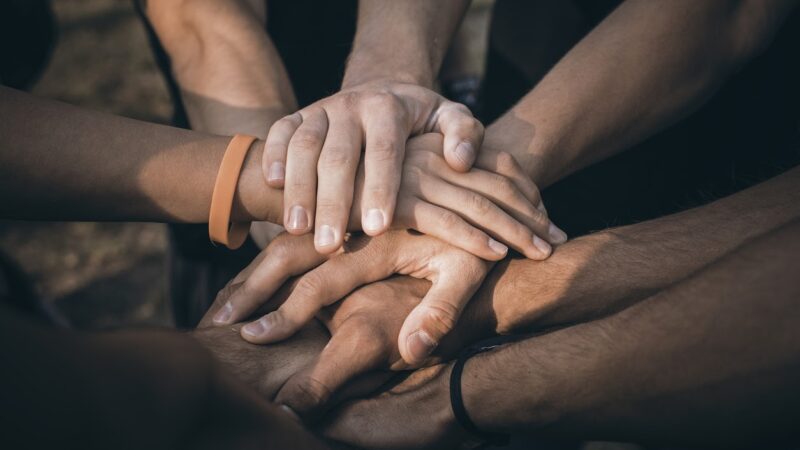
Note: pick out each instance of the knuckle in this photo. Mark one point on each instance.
(540, 220)
(280, 251)
(335, 158)
(227, 291)
(287, 123)
(442, 316)
(309, 393)
(449, 221)
(479, 204)
(310, 285)
(306, 139)
(382, 149)
(506, 163)
(504, 187)
(383, 100)
(349, 100)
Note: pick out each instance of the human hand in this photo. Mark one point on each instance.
(191, 401)
(363, 339)
(314, 154)
(416, 413)
(454, 273)
(461, 208)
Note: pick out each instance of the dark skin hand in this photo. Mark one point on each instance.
(131, 389)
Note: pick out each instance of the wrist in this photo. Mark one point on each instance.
(254, 199)
(364, 67)
(534, 148)
(494, 397)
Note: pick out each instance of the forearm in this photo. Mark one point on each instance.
(60, 162)
(231, 77)
(607, 271)
(712, 360)
(402, 41)
(647, 65)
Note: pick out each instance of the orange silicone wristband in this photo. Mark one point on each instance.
(220, 228)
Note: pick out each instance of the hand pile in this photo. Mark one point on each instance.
(437, 214)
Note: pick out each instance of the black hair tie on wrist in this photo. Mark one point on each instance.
(457, 401)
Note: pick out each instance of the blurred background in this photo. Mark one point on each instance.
(100, 275)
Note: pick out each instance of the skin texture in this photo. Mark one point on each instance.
(661, 370)
(621, 83)
(589, 278)
(231, 78)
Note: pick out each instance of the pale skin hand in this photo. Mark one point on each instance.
(386, 97)
(474, 211)
(314, 154)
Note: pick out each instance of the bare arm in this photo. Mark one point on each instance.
(711, 361)
(402, 41)
(60, 162)
(711, 358)
(647, 65)
(231, 77)
(607, 271)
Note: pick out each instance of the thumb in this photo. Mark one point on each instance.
(433, 318)
(351, 352)
(463, 135)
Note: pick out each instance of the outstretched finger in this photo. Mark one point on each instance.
(276, 147)
(285, 257)
(327, 284)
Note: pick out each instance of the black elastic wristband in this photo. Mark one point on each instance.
(457, 401)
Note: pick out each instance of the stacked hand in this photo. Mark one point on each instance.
(454, 275)
(468, 217)
(423, 184)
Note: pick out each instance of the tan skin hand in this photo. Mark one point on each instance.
(455, 275)
(363, 339)
(425, 390)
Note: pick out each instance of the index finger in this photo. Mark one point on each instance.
(325, 285)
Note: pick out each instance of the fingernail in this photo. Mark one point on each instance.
(373, 220)
(255, 329)
(465, 153)
(557, 235)
(298, 219)
(497, 247)
(543, 246)
(325, 236)
(420, 345)
(224, 314)
(276, 171)
(291, 412)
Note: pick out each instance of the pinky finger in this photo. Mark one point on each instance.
(276, 147)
